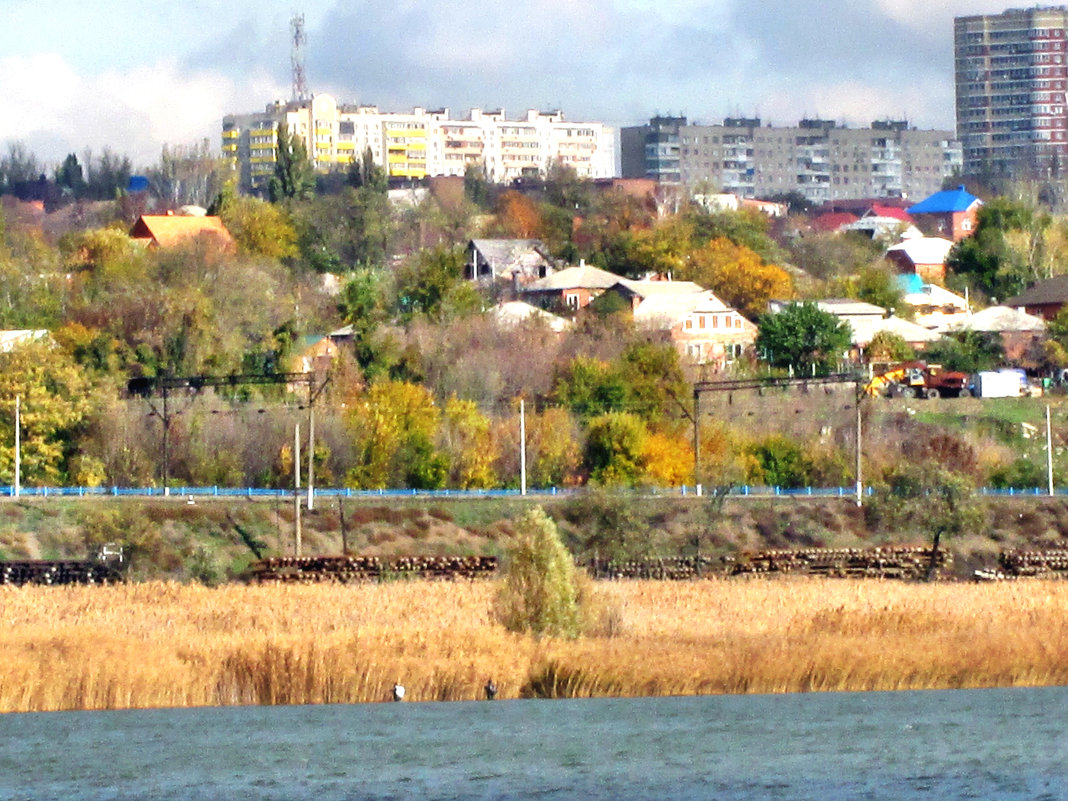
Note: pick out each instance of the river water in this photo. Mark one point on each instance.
(980, 744)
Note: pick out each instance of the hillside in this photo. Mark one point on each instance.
(214, 541)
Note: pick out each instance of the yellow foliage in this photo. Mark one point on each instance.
(383, 418)
(467, 439)
(738, 276)
(667, 460)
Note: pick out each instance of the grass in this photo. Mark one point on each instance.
(166, 644)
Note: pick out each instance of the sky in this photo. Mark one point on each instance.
(132, 77)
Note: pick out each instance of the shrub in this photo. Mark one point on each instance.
(540, 590)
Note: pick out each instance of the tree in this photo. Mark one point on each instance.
(738, 276)
(432, 284)
(70, 177)
(589, 387)
(967, 351)
(187, 174)
(834, 255)
(56, 400)
(939, 500)
(465, 436)
(294, 175)
(803, 337)
(394, 425)
(615, 447)
(517, 216)
(780, 462)
(887, 346)
(1008, 251)
(540, 591)
(259, 228)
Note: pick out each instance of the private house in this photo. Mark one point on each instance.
(950, 213)
(866, 328)
(703, 328)
(315, 354)
(519, 261)
(924, 256)
(846, 309)
(514, 313)
(1044, 299)
(936, 308)
(12, 338)
(570, 289)
(1020, 332)
(173, 230)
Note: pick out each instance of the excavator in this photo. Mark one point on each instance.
(919, 380)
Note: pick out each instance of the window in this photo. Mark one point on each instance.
(572, 301)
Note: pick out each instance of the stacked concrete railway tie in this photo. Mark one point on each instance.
(898, 562)
(354, 569)
(58, 572)
(1027, 564)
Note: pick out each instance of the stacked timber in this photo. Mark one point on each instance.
(58, 572)
(901, 562)
(679, 568)
(1033, 564)
(352, 569)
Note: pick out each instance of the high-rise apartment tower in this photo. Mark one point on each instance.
(1011, 75)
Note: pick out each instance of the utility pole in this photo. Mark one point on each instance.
(1049, 451)
(311, 444)
(296, 492)
(522, 448)
(18, 444)
(859, 454)
(697, 439)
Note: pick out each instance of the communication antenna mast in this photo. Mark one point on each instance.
(300, 39)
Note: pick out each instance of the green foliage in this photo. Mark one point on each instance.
(294, 175)
(926, 496)
(780, 462)
(476, 185)
(803, 337)
(615, 444)
(589, 387)
(364, 173)
(1007, 251)
(879, 286)
(540, 591)
(1021, 473)
(835, 255)
(967, 351)
(647, 380)
(887, 346)
(608, 525)
(431, 284)
(745, 229)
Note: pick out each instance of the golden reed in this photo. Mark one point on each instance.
(167, 645)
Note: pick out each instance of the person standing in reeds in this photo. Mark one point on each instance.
(540, 592)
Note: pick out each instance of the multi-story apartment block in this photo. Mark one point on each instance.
(418, 144)
(1011, 74)
(820, 159)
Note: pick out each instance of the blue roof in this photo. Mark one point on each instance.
(948, 200)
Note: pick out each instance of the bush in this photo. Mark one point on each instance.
(540, 593)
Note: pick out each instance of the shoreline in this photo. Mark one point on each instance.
(162, 645)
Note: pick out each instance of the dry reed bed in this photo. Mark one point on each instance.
(156, 645)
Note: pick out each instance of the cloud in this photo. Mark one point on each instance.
(170, 77)
(56, 111)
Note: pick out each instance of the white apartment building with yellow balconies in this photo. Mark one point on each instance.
(419, 143)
